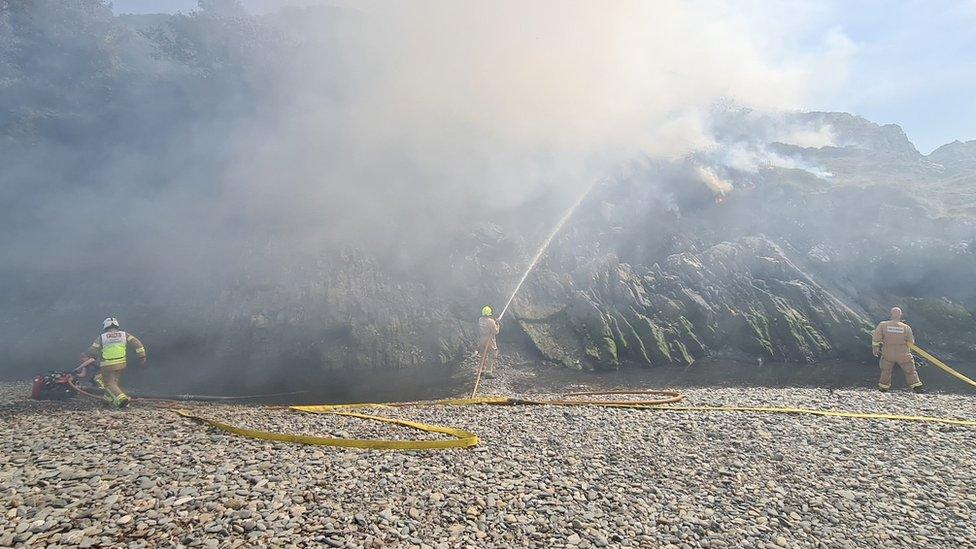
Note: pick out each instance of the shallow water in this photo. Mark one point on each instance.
(529, 378)
(715, 373)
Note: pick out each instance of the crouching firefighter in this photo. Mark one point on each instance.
(892, 342)
(111, 349)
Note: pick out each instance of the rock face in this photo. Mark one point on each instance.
(347, 318)
(347, 315)
(807, 251)
(255, 241)
(792, 265)
(743, 298)
(957, 156)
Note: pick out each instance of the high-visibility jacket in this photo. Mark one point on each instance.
(111, 348)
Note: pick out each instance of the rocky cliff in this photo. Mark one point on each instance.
(657, 269)
(793, 261)
(794, 264)
(743, 298)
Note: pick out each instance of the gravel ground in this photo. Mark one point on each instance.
(77, 474)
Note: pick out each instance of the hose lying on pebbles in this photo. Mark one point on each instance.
(77, 474)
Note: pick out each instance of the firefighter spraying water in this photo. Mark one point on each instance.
(487, 324)
(488, 329)
(545, 246)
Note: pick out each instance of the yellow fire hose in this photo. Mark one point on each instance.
(462, 439)
(465, 439)
(941, 365)
(825, 413)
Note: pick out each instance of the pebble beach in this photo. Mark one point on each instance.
(77, 474)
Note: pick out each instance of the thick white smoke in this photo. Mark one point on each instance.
(574, 81)
(253, 147)
(397, 123)
(446, 107)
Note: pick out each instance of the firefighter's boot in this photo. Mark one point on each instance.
(107, 395)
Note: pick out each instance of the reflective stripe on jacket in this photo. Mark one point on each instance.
(114, 343)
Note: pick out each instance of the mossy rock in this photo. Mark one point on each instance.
(558, 340)
(753, 330)
(687, 331)
(603, 354)
(631, 345)
(681, 354)
(653, 339)
(940, 314)
(795, 336)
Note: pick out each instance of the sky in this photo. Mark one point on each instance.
(912, 63)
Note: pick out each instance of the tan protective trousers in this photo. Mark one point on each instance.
(111, 379)
(907, 365)
(492, 353)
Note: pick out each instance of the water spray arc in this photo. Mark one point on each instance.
(535, 259)
(545, 245)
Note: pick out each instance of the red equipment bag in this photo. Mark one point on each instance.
(53, 386)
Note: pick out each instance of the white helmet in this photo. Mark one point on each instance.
(109, 322)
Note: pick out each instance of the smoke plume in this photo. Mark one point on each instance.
(151, 162)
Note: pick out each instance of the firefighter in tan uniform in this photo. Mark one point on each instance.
(892, 341)
(488, 328)
(111, 349)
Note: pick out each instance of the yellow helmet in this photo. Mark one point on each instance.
(486, 311)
